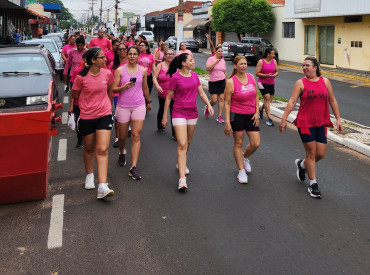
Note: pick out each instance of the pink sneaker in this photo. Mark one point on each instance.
(206, 113)
(220, 119)
(182, 184)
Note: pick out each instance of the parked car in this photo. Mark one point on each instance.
(57, 37)
(191, 44)
(171, 41)
(29, 89)
(252, 48)
(225, 49)
(53, 48)
(148, 35)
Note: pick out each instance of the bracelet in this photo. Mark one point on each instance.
(150, 101)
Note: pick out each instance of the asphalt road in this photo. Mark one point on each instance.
(269, 226)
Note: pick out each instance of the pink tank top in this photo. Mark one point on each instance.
(161, 54)
(267, 69)
(314, 106)
(134, 96)
(243, 100)
(163, 81)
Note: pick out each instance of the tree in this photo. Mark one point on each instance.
(122, 29)
(65, 18)
(242, 16)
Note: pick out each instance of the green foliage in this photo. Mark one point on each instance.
(200, 71)
(122, 29)
(243, 16)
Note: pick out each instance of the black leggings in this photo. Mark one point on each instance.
(161, 101)
(150, 82)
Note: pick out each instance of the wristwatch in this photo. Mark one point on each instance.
(150, 101)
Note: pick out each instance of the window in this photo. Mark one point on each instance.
(352, 19)
(309, 40)
(288, 29)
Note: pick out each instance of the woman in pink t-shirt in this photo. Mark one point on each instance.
(146, 60)
(182, 49)
(183, 88)
(110, 54)
(267, 70)
(241, 114)
(216, 67)
(93, 87)
(161, 81)
(133, 103)
(315, 93)
(65, 51)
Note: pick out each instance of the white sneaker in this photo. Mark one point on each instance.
(242, 177)
(89, 182)
(247, 165)
(182, 184)
(104, 191)
(187, 171)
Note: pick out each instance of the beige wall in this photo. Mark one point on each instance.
(346, 56)
(187, 18)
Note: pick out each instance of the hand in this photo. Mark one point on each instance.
(148, 107)
(207, 35)
(128, 85)
(65, 79)
(159, 89)
(282, 125)
(256, 120)
(70, 110)
(228, 129)
(210, 110)
(339, 127)
(164, 122)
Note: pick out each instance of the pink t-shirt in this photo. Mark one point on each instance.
(186, 51)
(103, 43)
(66, 49)
(267, 69)
(110, 58)
(185, 95)
(163, 81)
(74, 74)
(74, 59)
(94, 101)
(134, 96)
(243, 100)
(146, 60)
(218, 71)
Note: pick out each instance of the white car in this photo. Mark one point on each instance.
(148, 35)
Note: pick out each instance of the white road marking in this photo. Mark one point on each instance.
(64, 118)
(55, 238)
(62, 150)
(65, 99)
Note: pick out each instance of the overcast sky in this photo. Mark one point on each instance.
(78, 7)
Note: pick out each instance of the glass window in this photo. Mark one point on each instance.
(309, 40)
(288, 30)
(31, 63)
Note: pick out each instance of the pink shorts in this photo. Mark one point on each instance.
(184, 121)
(126, 114)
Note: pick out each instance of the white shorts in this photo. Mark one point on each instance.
(184, 121)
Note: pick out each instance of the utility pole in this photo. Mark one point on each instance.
(180, 30)
(92, 2)
(115, 14)
(101, 10)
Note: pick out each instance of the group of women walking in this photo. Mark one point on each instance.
(128, 79)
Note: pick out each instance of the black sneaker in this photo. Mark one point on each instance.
(260, 113)
(79, 145)
(115, 144)
(314, 191)
(301, 173)
(67, 89)
(174, 137)
(134, 173)
(122, 160)
(161, 131)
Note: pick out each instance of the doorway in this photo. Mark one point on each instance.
(326, 45)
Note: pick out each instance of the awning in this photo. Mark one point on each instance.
(41, 20)
(204, 24)
(193, 24)
(54, 8)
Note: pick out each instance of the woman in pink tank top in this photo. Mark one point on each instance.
(241, 114)
(315, 93)
(267, 70)
(133, 103)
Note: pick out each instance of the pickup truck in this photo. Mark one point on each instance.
(251, 47)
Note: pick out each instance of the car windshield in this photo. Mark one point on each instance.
(49, 45)
(30, 63)
(185, 39)
(57, 40)
(225, 44)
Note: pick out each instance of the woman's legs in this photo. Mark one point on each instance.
(184, 135)
(238, 149)
(172, 128)
(123, 130)
(220, 99)
(254, 143)
(102, 138)
(315, 151)
(160, 112)
(267, 98)
(136, 127)
(89, 152)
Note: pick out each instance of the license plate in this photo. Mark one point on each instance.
(240, 53)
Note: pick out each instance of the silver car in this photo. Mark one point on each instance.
(225, 50)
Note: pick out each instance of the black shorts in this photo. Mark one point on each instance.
(266, 88)
(216, 87)
(89, 126)
(240, 123)
(317, 134)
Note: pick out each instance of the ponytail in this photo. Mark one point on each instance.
(315, 63)
(90, 55)
(176, 63)
(235, 61)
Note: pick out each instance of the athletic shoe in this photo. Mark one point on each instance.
(174, 137)
(122, 160)
(206, 113)
(314, 191)
(242, 177)
(261, 113)
(160, 131)
(79, 145)
(187, 171)
(301, 173)
(115, 144)
(89, 182)
(269, 122)
(247, 165)
(182, 184)
(104, 191)
(134, 173)
(67, 89)
(220, 119)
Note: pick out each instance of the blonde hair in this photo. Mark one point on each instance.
(235, 61)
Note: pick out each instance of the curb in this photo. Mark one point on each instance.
(348, 142)
(330, 73)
